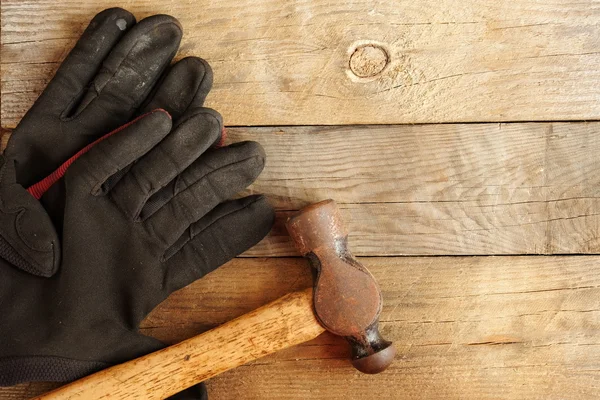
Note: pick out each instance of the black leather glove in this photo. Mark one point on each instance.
(143, 212)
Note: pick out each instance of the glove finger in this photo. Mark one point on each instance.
(119, 149)
(128, 74)
(185, 86)
(82, 63)
(215, 177)
(227, 231)
(192, 136)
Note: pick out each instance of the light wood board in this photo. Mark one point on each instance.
(288, 62)
(464, 327)
(523, 188)
(452, 189)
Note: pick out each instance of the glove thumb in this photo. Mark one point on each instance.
(28, 239)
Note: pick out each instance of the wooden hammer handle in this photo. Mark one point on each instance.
(285, 322)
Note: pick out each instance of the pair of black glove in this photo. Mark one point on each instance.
(126, 214)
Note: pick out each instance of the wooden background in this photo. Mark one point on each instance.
(468, 170)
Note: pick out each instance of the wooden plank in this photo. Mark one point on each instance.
(289, 63)
(464, 327)
(521, 188)
(453, 189)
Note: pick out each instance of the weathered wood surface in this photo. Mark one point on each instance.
(453, 189)
(519, 188)
(464, 327)
(288, 63)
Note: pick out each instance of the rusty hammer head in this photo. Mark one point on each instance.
(347, 300)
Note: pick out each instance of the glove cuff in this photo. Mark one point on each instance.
(14, 370)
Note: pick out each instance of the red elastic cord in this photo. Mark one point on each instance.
(221, 142)
(37, 190)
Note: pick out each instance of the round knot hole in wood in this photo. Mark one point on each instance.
(368, 60)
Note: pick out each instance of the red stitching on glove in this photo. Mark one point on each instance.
(37, 190)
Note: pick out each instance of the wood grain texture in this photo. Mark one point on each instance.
(288, 62)
(520, 188)
(451, 189)
(464, 327)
